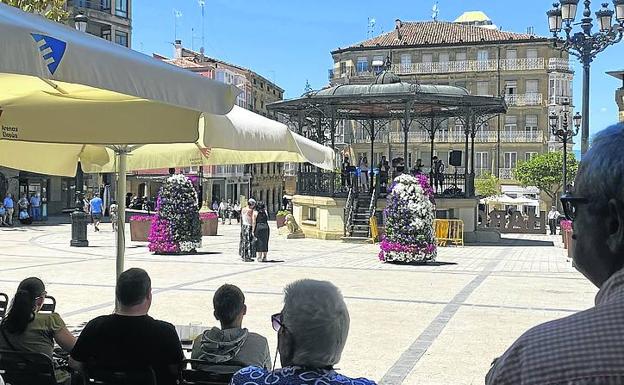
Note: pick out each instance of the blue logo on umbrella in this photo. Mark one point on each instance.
(51, 49)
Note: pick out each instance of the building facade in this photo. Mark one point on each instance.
(108, 19)
(264, 181)
(471, 52)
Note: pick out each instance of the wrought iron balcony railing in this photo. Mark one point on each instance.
(519, 100)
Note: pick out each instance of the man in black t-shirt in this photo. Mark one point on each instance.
(129, 338)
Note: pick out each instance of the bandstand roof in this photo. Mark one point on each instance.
(389, 98)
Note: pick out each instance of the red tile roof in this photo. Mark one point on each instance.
(440, 33)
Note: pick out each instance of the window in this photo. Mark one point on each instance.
(121, 9)
(483, 88)
(362, 64)
(481, 161)
(511, 54)
(105, 5)
(427, 58)
(531, 128)
(531, 53)
(443, 59)
(105, 33)
(460, 56)
(511, 87)
(532, 86)
(482, 55)
(311, 214)
(406, 62)
(378, 64)
(529, 155)
(121, 38)
(510, 129)
(510, 159)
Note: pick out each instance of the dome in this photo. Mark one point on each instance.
(387, 77)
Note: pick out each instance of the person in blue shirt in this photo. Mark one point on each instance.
(35, 206)
(9, 207)
(96, 210)
(312, 330)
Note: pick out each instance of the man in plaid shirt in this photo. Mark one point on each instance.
(586, 348)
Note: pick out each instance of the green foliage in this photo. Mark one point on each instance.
(545, 171)
(52, 9)
(487, 185)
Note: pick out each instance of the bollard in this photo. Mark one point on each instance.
(79, 226)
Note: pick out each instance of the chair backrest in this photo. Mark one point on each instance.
(120, 377)
(191, 376)
(17, 368)
(49, 305)
(4, 304)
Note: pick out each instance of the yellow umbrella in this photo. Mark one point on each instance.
(61, 86)
(240, 137)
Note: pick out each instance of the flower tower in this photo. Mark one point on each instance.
(409, 221)
(177, 227)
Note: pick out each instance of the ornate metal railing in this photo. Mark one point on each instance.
(316, 183)
(485, 136)
(453, 186)
(559, 64)
(531, 99)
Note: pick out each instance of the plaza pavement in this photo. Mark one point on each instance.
(437, 324)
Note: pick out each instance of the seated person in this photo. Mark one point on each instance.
(231, 347)
(130, 339)
(312, 330)
(24, 329)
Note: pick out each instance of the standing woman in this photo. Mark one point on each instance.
(261, 231)
(246, 246)
(24, 329)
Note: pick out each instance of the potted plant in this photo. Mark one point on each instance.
(140, 227)
(209, 223)
(280, 218)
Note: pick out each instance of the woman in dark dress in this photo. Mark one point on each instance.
(261, 231)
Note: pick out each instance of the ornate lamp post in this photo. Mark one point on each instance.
(80, 22)
(585, 44)
(565, 131)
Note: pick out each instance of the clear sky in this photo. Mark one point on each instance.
(289, 41)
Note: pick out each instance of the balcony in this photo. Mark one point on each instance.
(486, 136)
(98, 5)
(559, 64)
(469, 66)
(521, 100)
(506, 173)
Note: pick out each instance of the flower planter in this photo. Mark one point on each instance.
(139, 229)
(281, 221)
(209, 226)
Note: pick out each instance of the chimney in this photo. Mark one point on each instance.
(398, 26)
(177, 53)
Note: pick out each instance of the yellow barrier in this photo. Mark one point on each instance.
(374, 228)
(449, 231)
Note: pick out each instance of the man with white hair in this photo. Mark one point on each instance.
(312, 330)
(587, 347)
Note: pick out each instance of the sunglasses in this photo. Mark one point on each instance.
(276, 321)
(570, 205)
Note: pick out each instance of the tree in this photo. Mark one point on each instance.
(545, 171)
(52, 9)
(487, 185)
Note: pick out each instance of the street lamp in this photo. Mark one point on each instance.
(584, 44)
(565, 131)
(80, 22)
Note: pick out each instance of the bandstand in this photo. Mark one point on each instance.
(328, 210)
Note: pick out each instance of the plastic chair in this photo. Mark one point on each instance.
(99, 376)
(193, 375)
(4, 304)
(49, 305)
(22, 368)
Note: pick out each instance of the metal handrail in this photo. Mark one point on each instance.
(348, 212)
(372, 207)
